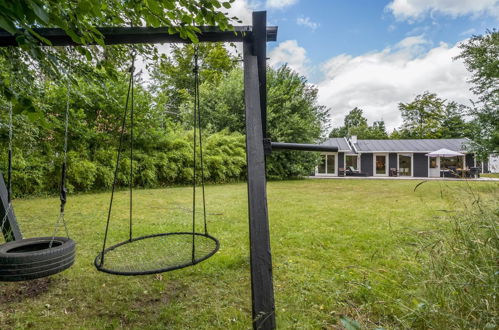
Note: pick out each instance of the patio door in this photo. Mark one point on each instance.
(380, 164)
(405, 164)
(434, 167)
(328, 164)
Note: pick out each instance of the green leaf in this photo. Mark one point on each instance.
(7, 25)
(38, 36)
(350, 324)
(40, 12)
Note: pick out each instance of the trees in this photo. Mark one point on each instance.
(422, 117)
(173, 76)
(80, 19)
(293, 115)
(481, 57)
(430, 117)
(356, 124)
(453, 124)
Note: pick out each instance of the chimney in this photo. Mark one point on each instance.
(353, 139)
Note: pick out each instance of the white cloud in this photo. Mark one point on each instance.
(378, 81)
(414, 9)
(289, 52)
(280, 3)
(306, 21)
(242, 9)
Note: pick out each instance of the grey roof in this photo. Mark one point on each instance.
(421, 145)
(341, 143)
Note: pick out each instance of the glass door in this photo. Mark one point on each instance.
(380, 165)
(405, 165)
(327, 165)
(331, 164)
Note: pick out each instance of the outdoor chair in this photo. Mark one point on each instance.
(474, 172)
(394, 172)
(350, 171)
(341, 171)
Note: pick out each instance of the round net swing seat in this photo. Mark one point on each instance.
(156, 253)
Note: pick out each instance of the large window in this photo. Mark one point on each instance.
(451, 162)
(327, 164)
(433, 162)
(351, 161)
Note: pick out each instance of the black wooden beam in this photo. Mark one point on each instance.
(302, 147)
(262, 290)
(10, 228)
(142, 35)
(260, 51)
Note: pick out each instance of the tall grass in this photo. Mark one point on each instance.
(460, 267)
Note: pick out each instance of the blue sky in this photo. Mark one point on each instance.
(375, 54)
(357, 27)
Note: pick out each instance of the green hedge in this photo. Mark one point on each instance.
(167, 162)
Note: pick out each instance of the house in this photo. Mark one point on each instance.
(410, 158)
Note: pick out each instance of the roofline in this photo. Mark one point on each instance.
(406, 151)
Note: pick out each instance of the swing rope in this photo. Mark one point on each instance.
(197, 124)
(157, 253)
(9, 153)
(63, 189)
(118, 158)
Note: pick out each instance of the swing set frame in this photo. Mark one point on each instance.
(254, 39)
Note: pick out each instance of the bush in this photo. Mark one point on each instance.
(81, 173)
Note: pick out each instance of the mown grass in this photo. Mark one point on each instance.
(360, 249)
(490, 175)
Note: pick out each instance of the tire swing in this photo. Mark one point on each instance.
(32, 258)
(158, 253)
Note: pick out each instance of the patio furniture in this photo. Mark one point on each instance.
(341, 171)
(393, 172)
(474, 172)
(350, 171)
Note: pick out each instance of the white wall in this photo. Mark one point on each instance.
(494, 163)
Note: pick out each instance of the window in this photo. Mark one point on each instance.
(449, 162)
(433, 162)
(351, 161)
(327, 164)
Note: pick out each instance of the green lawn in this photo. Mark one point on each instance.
(339, 247)
(490, 175)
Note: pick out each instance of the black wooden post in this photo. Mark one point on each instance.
(10, 228)
(262, 290)
(260, 51)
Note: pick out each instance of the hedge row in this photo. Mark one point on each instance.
(169, 162)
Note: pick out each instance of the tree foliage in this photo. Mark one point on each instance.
(431, 117)
(80, 20)
(293, 115)
(355, 124)
(481, 57)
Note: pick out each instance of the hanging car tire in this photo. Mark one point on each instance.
(33, 258)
